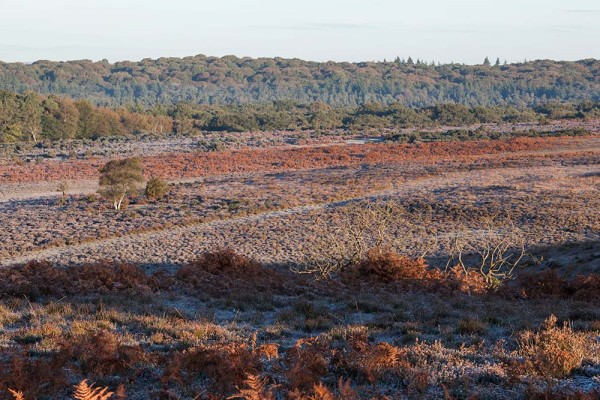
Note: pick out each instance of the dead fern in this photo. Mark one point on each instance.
(307, 362)
(322, 393)
(553, 351)
(374, 361)
(89, 392)
(17, 395)
(120, 393)
(256, 389)
(346, 391)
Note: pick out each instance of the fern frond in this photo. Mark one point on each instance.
(17, 395)
(120, 393)
(89, 392)
(256, 389)
(346, 391)
(322, 393)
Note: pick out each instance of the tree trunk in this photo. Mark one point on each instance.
(117, 203)
(33, 132)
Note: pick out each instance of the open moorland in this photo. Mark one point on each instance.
(311, 265)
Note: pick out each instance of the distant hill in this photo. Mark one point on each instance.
(232, 80)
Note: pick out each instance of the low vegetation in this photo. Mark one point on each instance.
(156, 188)
(123, 328)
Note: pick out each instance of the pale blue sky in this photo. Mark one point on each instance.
(348, 30)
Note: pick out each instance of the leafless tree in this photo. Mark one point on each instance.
(496, 249)
(360, 227)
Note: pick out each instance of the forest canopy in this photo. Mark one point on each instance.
(232, 80)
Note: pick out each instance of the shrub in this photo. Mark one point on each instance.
(553, 352)
(373, 362)
(101, 354)
(226, 366)
(156, 188)
(387, 266)
(466, 280)
(496, 250)
(221, 262)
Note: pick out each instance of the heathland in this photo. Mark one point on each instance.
(294, 249)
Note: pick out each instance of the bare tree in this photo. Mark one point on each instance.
(496, 250)
(362, 226)
(342, 243)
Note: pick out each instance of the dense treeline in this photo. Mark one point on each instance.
(233, 80)
(32, 117)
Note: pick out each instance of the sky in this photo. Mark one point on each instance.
(320, 30)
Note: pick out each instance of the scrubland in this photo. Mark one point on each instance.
(217, 290)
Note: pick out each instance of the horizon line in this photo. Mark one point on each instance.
(384, 60)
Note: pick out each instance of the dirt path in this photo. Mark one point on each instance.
(35, 190)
